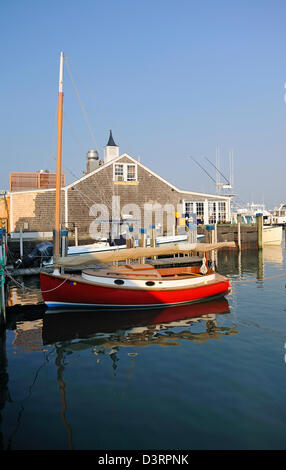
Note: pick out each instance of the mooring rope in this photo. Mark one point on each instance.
(18, 284)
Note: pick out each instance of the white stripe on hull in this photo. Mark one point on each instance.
(141, 283)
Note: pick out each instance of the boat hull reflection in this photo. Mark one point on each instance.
(84, 324)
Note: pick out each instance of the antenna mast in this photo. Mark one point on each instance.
(59, 158)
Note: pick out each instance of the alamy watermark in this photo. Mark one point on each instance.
(116, 223)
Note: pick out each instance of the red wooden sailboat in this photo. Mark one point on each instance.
(133, 285)
(139, 285)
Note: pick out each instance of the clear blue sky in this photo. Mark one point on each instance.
(172, 78)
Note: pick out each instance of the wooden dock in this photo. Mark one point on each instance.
(230, 233)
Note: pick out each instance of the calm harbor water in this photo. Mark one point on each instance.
(206, 376)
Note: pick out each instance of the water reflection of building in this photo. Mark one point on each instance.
(20, 295)
(28, 336)
(273, 254)
(249, 262)
(24, 316)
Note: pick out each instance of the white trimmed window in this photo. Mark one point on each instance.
(124, 172)
(200, 210)
(118, 172)
(212, 212)
(222, 211)
(196, 207)
(189, 207)
(209, 212)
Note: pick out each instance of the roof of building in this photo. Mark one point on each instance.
(124, 155)
(223, 197)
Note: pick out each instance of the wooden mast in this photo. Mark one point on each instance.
(59, 160)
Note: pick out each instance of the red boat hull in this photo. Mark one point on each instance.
(57, 292)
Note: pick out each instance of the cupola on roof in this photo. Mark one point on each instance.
(111, 150)
(111, 142)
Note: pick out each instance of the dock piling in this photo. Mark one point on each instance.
(142, 242)
(63, 244)
(153, 238)
(212, 234)
(259, 223)
(130, 242)
(210, 230)
(239, 231)
(21, 244)
(2, 276)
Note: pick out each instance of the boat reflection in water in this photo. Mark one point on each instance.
(107, 329)
(107, 332)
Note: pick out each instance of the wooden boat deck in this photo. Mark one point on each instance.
(146, 271)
